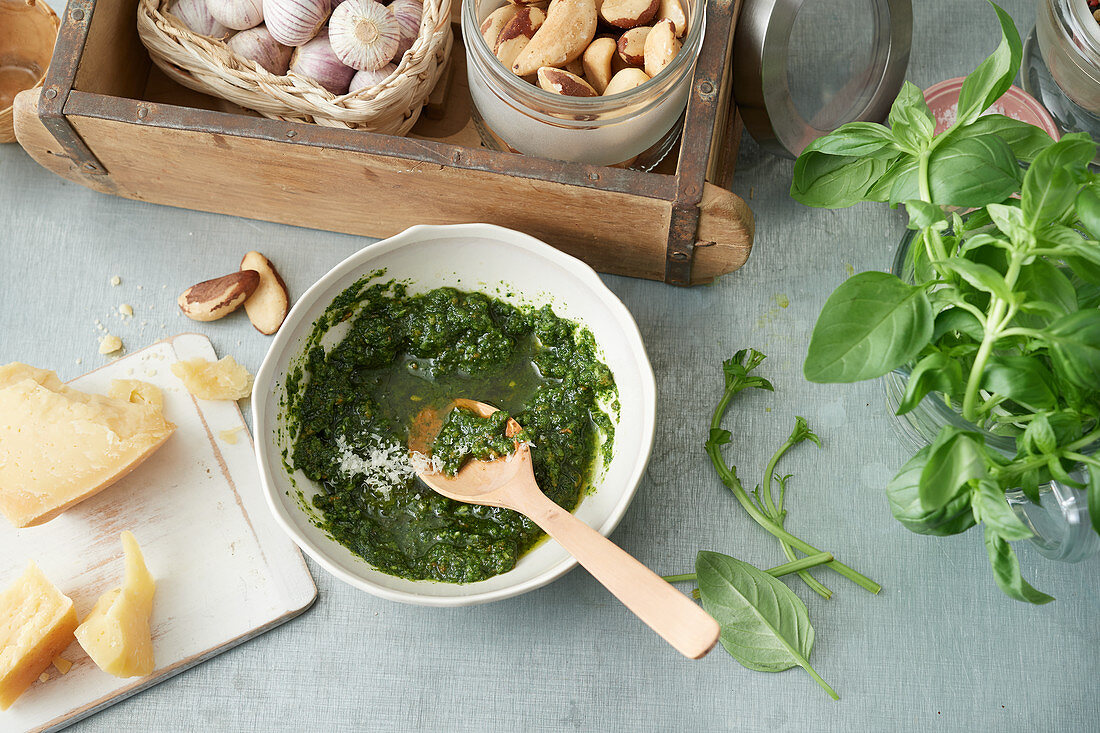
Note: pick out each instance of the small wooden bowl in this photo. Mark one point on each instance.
(28, 31)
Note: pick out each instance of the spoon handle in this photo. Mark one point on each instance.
(678, 619)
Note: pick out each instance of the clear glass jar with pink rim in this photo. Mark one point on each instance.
(1061, 522)
(642, 123)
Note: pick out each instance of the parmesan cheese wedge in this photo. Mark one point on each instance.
(36, 624)
(116, 633)
(59, 446)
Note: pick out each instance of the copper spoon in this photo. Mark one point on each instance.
(510, 483)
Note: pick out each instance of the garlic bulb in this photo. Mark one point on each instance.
(315, 60)
(364, 34)
(293, 22)
(257, 44)
(237, 14)
(408, 14)
(367, 79)
(196, 16)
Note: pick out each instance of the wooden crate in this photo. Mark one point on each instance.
(108, 119)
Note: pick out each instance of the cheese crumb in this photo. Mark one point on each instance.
(116, 281)
(214, 380)
(110, 344)
(126, 309)
(44, 677)
(63, 665)
(383, 464)
(230, 435)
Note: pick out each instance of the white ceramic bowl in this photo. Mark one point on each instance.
(469, 257)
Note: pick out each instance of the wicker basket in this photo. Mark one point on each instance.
(208, 66)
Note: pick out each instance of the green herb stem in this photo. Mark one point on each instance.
(999, 315)
(776, 511)
(729, 478)
(804, 563)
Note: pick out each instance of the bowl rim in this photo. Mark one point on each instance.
(587, 277)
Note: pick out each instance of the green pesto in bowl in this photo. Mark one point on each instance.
(349, 409)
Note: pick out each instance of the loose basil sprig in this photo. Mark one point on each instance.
(1002, 320)
(765, 626)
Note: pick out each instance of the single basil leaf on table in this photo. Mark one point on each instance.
(1006, 570)
(973, 171)
(991, 508)
(1022, 379)
(957, 320)
(1075, 347)
(1051, 184)
(903, 493)
(988, 83)
(836, 181)
(934, 373)
(982, 277)
(955, 458)
(765, 626)
(871, 324)
(911, 122)
(1026, 140)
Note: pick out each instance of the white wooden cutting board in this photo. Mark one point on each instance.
(225, 572)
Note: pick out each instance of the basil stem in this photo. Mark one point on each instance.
(802, 563)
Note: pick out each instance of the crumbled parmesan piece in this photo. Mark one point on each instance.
(44, 677)
(137, 392)
(126, 309)
(110, 344)
(63, 665)
(214, 380)
(382, 464)
(230, 435)
(116, 281)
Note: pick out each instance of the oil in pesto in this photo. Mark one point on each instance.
(350, 406)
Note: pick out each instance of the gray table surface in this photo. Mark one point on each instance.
(939, 649)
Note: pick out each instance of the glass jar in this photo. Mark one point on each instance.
(1061, 64)
(1061, 523)
(511, 113)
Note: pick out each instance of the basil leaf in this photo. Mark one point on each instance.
(902, 176)
(973, 171)
(1029, 484)
(871, 324)
(835, 181)
(957, 320)
(1006, 570)
(765, 626)
(1050, 186)
(903, 493)
(853, 139)
(991, 507)
(982, 277)
(1043, 282)
(1088, 210)
(911, 122)
(934, 373)
(1026, 140)
(1075, 347)
(1022, 379)
(1010, 220)
(955, 458)
(923, 215)
(1038, 437)
(988, 83)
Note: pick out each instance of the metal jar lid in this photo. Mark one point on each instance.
(802, 68)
